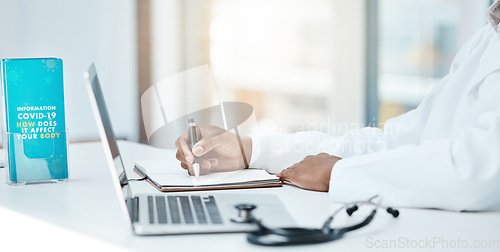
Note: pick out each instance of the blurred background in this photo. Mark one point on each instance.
(328, 65)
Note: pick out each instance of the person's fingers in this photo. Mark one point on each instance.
(189, 168)
(177, 143)
(283, 175)
(182, 144)
(184, 135)
(209, 164)
(207, 144)
(205, 165)
(287, 174)
(179, 157)
(205, 168)
(213, 162)
(184, 166)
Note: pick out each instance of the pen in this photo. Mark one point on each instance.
(193, 139)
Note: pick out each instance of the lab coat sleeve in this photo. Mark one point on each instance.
(277, 152)
(458, 174)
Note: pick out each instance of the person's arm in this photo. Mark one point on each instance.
(462, 173)
(404, 130)
(277, 152)
(458, 174)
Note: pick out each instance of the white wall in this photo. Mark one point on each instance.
(81, 32)
(179, 42)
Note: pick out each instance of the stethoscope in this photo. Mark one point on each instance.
(296, 235)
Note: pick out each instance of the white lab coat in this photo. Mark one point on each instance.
(443, 154)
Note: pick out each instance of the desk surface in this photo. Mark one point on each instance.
(85, 213)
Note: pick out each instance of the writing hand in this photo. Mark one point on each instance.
(218, 149)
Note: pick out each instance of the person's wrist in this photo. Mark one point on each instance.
(331, 170)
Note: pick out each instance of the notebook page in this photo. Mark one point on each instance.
(168, 177)
(171, 166)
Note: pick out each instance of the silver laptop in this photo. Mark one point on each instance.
(179, 213)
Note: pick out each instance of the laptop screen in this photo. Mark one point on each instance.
(106, 132)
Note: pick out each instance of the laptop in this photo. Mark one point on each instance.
(179, 213)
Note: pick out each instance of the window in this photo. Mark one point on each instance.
(277, 56)
(417, 42)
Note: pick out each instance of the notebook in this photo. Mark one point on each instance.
(161, 175)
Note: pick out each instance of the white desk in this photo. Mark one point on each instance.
(85, 213)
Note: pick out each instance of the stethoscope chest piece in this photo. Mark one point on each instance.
(244, 213)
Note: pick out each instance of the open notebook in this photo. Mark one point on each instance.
(164, 178)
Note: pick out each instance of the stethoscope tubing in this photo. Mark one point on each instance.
(296, 235)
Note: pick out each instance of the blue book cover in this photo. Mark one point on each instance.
(34, 119)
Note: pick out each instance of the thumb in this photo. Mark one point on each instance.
(205, 145)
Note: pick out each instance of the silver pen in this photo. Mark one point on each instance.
(193, 139)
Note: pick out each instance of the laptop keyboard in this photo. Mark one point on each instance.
(183, 210)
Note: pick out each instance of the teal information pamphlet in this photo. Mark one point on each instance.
(34, 119)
